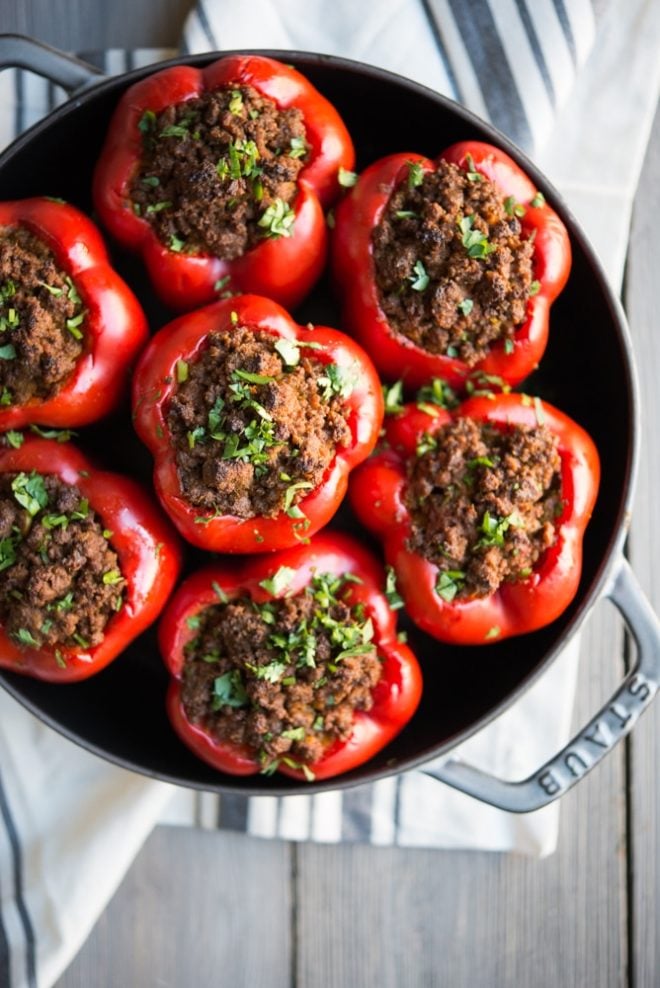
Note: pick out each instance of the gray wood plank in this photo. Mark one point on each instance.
(401, 918)
(76, 24)
(642, 305)
(197, 908)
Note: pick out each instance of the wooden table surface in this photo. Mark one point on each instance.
(214, 908)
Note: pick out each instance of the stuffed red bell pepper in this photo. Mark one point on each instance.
(69, 326)
(448, 267)
(289, 662)
(482, 512)
(87, 561)
(254, 423)
(218, 176)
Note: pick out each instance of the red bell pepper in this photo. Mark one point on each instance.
(397, 356)
(155, 382)
(147, 548)
(377, 495)
(284, 268)
(113, 330)
(396, 695)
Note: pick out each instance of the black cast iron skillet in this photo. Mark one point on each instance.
(587, 371)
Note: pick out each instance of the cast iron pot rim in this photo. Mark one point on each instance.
(101, 85)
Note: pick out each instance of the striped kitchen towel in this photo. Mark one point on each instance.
(70, 824)
(513, 62)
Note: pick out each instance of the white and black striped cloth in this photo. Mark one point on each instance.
(70, 824)
(512, 62)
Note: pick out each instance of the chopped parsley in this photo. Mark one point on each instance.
(419, 278)
(229, 691)
(449, 583)
(346, 178)
(279, 581)
(513, 208)
(394, 598)
(30, 492)
(475, 241)
(278, 219)
(393, 397)
(415, 174)
(465, 307)
(538, 200)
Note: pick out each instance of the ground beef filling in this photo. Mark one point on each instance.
(253, 433)
(218, 174)
(41, 319)
(483, 503)
(284, 678)
(60, 581)
(453, 269)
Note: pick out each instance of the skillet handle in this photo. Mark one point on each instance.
(591, 743)
(19, 51)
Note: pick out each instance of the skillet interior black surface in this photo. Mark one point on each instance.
(586, 371)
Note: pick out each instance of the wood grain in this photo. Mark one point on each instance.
(199, 909)
(402, 918)
(642, 306)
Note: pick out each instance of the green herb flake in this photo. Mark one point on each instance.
(475, 241)
(24, 637)
(73, 325)
(394, 599)
(538, 200)
(449, 583)
(229, 691)
(277, 220)
(439, 393)
(221, 283)
(534, 288)
(279, 581)
(415, 174)
(59, 435)
(151, 180)
(472, 174)
(465, 307)
(538, 411)
(158, 207)
(252, 378)
(147, 123)
(14, 438)
(298, 148)
(406, 214)
(176, 244)
(494, 528)
(393, 397)
(294, 734)
(289, 351)
(513, 208)
(51, 289)
(8, 547)
(426, 444)
(346, 178)
(236, 102)
(59, 659)
(419, 278)
(8, 289)
(8, 352)
(181, 371)
(30, 492)
(219, 592)
(112, 577)
(509, 346)
(493, 632)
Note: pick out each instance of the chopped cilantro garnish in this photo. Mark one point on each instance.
(493, 632)
(222, 283)
(509, 346)
(393, 596)
(289, 351)
(147, 122)
(236, 102)
(405, 214)
(252, 378)
(534, 288)
(346, 178)
(30, 492)
(393, 397)
(338, 380)
(449, 583)
(151, 180)
(426, 444)
(176, 244)
(475, 241)
(8, 352)
(298, 148)
(181, 371)
(294, 734)
(438, 393)
(415, 174)
(419, 278)
(513, 208)
(112, 577)
(538, 200)
(472, 174)
(278, 219)
(494, 529)
(14, 438)
(279, 581)
(466, 306)
(73, 324)
(52, 289)
(24, 637)
(229, 691)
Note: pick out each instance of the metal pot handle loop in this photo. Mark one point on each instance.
(612, 723)
(74, 75)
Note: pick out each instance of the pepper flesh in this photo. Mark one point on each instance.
(284, 269)
(147, 548)
(396, 696)
(353, 267)
(115, 327)
(155, 383)
(377, 494)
